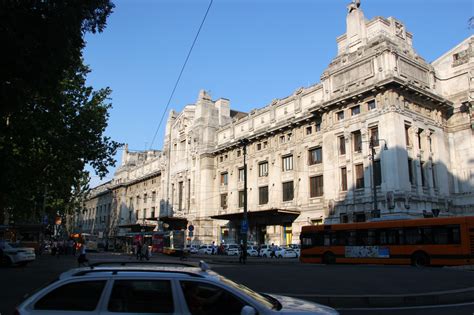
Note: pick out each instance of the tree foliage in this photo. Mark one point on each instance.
(52, 123)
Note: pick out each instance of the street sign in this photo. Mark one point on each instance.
(245, 227)
(191, 228)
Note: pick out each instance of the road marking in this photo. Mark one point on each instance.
(405, 307)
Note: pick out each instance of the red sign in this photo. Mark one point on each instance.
(157, 243)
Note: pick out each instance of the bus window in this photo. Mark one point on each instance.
(371, 237)
(392, 237)
(327, 239)
(351, 240)
(306, 241)
(427, 235)
(361, 237)
(440, 235)
(455, 235)
(341, 238)
(413, 236)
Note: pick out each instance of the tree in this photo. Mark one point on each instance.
(52, 123)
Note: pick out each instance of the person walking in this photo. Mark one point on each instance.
(82, 259)
(272, 251)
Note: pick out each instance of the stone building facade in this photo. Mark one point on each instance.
(381, 117)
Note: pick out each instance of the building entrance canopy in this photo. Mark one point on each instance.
(175, 223)
(138, 227)
(263, 217)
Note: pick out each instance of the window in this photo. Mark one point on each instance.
(282, 139)
(418, 134)
(318, 125)
(224, 178)
(309, 130)
(241, 174)
(224, 201)
(241, 199)
(263, 169)
(410, 171)
(340, 115)
(288, 136)
(238, 153)
(259, 146)
(145, 197)
(263, 195)
(423, 177)
(287, 163)
(342, 145)
(315, 156)
(378, 173)
(205, 298)
(343, 179)
(407, 135)
(371, 105)
(134, 296)
(374, 136)
(153, 215)
(75, 296)
(316, 186)
(359, 172)
(433, 174)
(221, 158)
(153, 196)
(144, 214)
(288, 191)
(357, 141)
(137, 215)
(265, 144)
(180, 195)
(355, 110)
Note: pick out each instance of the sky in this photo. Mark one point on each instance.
(249, 52)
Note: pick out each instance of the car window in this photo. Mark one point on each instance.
(208, 299)
(73, 296)
(141, 296)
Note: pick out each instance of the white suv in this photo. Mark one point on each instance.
(13, 254)
(146, 288)
(205, 249)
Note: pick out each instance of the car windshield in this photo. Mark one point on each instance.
(265, 301)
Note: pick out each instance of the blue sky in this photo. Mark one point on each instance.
(248, 51)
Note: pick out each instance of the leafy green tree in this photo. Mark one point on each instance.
(52, 123)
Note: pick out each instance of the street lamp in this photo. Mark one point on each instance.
(244, 228)
(372, 144)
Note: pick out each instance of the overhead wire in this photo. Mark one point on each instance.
(181, 73)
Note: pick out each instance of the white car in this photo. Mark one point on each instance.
(192, 249)
(232, 250)
(13, 254)
(266, 250)
(133, 288)
(286, 253)
(205, 250)
(252, 251)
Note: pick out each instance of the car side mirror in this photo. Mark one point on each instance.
(248, 310)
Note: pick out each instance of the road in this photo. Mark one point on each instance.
(284, 277)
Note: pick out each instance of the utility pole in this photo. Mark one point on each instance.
(245, 222)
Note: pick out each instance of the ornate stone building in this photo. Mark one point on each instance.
(381, 117)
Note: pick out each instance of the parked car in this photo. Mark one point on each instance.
(109, 288)
(205, 250)
(15, 254)
(232, 250)
(252, 250)
(296, 248)
(265, 250)
(286, 252)
(192, 249)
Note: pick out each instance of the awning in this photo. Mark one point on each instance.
(262, 216)
(138, 227)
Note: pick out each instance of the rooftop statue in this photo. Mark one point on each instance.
(354, 5)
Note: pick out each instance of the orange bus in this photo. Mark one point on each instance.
(420, 242)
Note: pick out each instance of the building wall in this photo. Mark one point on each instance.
(422, 113)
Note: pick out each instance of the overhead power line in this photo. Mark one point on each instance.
(180, 73)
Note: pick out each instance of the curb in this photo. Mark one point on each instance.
(395, 300)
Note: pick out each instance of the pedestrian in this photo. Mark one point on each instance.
(139, 250)
(242, 254)
(272, 251)
(82, 259)
(213, 248)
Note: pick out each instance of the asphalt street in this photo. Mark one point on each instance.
(283, 277)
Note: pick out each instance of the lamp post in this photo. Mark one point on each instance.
(244, 227)
(372, 144)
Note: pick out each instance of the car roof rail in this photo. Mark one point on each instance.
(116, 271)
(149, 263)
